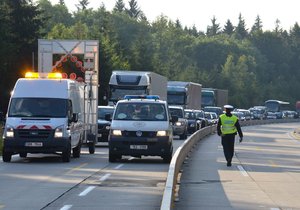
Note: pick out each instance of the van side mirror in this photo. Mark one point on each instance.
(107, 117)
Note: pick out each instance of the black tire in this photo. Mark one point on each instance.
(23, 154)
(66, 155)
(111, 157)
(77, 151)
(183, 136)
(91, 148)
(6, 156)
(168, 157)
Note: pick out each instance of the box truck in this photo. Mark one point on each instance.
(214, 97)
(136, 83)
(185, 94)
(45, 115)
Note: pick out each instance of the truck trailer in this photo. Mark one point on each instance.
(136, 83)
(214, 97)
(185, 94)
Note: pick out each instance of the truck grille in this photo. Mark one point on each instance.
(34, 133)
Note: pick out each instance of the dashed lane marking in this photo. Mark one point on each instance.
(242, 170)
(87, 190)
(119, 166)
(66, 207)
(103, 178)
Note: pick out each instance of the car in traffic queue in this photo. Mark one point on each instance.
(141, 126)
(200, 116)
(211, 117)
(181, 126)
(194, 124)
(103, 124)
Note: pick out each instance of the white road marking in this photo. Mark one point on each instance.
(274, 209)
(242, 170)
(119, 166)
(103, 178)
(86, 191)
(66, 207)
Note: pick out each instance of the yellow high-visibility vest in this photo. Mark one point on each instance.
(227, 124)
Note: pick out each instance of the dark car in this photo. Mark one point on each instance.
(194, 124)
(103, 124)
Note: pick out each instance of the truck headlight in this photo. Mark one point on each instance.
(117, 132)
(161, 133)
(9, 132)
(59, 132)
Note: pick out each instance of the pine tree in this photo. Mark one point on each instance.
(228, 28)
(241, 31)
(214, 29)
(82, 5)
(257, 27)
(119, 6)
(133, 11)
(62, 2)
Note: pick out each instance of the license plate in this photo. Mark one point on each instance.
(138, 146)
(33, 144)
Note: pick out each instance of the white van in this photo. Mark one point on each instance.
(141, 126)
(44, 116)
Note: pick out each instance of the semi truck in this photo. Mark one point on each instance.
(124, 82)
(185, 94)
(214, 97)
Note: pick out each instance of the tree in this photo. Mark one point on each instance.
(228, 28)
(257, 26)
(133, 11)
(82, 5)
(240, 30)
(214, 29)
(62, 2)
(119, 6)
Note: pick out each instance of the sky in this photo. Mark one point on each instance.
(200, 12)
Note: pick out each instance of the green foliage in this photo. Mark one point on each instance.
(254, 66)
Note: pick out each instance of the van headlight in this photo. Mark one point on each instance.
(162, 133)
(179, 123)
(59, 132)
(117, 132)
(9, 132)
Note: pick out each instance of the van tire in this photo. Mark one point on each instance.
(111, 157)
(6, 156)
(77, 151)
(23, 154)
(168, 157)
(66, 155)
(91, 148)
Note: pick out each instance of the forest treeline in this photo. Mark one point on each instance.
(253, 64)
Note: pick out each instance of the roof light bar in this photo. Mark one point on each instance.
(154, 97)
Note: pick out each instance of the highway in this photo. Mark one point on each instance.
(265, 172)
(265, 175)
(89, 182)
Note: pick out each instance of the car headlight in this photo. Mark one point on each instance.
(162, 133)
(117, 132)
(192, 125)
(59, 132)
(107, 127)
(9, 132)
(178, 123)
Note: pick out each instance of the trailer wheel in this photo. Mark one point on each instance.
(6, 156)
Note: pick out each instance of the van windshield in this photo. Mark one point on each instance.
(140, 112)
(38, 107)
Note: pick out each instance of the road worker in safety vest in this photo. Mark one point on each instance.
(228, 126)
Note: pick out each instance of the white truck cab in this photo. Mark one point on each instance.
(44, 116)
(141, 125)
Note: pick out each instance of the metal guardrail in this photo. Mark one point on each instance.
(182, 152)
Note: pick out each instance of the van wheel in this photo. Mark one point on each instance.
(23, 154)
(112, 158)
(91, 148)
(168, 157)
(66, 155)
(6, 156)
(77, 151)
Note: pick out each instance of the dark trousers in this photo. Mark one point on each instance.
(228, 146)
